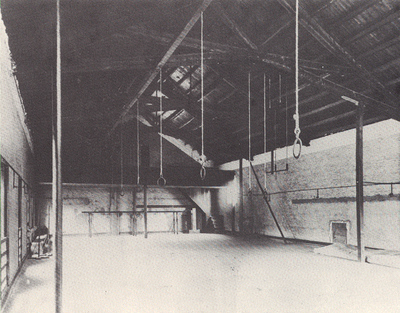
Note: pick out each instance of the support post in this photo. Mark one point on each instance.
(241, 195)
(360, 182)
(145, 209)
(90, 225)
(59, 208)
(265, 196)
(272, 161)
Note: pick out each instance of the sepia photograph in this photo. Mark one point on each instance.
(200, 156)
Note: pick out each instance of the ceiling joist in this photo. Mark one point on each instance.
(327, 41)
(153, 73)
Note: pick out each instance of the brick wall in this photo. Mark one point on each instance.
(308, 215)
(78, 199)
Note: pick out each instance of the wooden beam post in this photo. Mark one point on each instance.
(241, 195)
(90, 224)
(59, 207)
(145, 209)
(360, 182)
(153, 73)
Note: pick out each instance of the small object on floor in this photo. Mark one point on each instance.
(42, 256)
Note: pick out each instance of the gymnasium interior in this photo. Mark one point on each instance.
(200, 156)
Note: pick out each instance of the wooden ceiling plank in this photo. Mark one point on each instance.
(372, 26)
(348, 126)
(353, 12)
(394, 39)
(153, 73)
(387, 65)
(329, 120)
(324, 38)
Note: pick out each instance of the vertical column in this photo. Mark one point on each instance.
(145, 209)
(241, 195)
(360, 182)
(59, 208)
(90, 224)
(133, 216)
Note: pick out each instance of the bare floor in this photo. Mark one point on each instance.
(203, 273)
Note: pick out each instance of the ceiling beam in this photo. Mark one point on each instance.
(153, 73)
(188, 42)
(393, 63)
(277, 28)
(325, 39)
(373, 25)
(329, 120)
(352, 12)
(331, 105)
(347, 127)
(394, 39)
(234, 26)
(146, 63)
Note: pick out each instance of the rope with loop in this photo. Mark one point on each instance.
(202, 158)
(161, 180)
(297, 141)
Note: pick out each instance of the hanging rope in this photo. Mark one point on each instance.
(286, 125)
(121, 192)
(280, 88)
(265, 132)
(297, 141)
(161, 180)
(202, 158)
(137, 144)
(249, 126)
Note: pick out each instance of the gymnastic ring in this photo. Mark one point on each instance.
(203, 173)
(161, 181)
(298, 142)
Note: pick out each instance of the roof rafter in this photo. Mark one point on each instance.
(153, 73)
(373, 25)
(324, 38)
(188, 42)
(234, 26)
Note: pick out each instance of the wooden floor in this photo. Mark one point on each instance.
(203, 273)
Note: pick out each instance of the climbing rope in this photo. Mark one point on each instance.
(286, 126)
(297, 141)
(137, 144)
(249, 126)
(265, 131)
(161, 180)
(202, 158)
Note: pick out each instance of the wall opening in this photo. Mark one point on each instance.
(339, 232)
